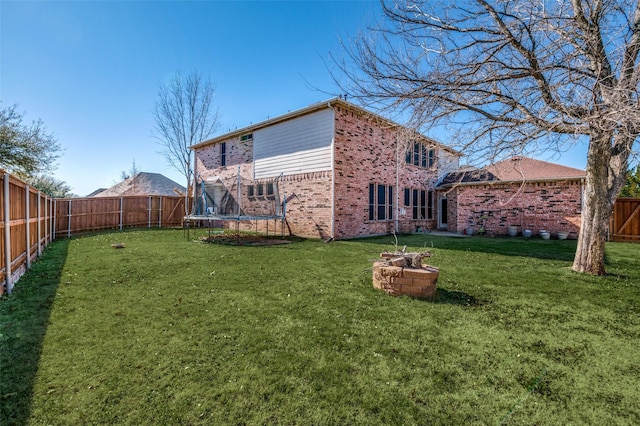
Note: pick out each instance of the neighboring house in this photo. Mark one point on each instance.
(96, 192)
(344, 171)
(523, 192)
(143, 184)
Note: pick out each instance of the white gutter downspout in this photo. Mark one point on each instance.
(397, 221)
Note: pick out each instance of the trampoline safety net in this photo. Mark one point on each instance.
(238, 199)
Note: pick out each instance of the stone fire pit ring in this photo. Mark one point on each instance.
(399, 277)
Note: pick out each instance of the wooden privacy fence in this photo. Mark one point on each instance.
(26, 221)
(29, 220)
(625, 220)
(81, 215)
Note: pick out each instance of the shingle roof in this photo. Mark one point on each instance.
(144, 184)
(515, 169)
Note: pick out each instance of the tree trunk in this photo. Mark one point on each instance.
(597, 207)
(589, 256)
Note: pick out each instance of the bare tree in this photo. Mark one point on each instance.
(184, 115)
(516, 76)
(126, 174)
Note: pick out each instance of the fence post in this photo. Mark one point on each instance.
(28, 225)
(7, 235)
(149, 209)
(52, 222)
(121, 207)
(69, 221)
(39, 226)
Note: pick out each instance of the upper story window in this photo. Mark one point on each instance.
(420, 155)
(246, 137)
(223, 154)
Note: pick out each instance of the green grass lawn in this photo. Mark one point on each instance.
(172, 331)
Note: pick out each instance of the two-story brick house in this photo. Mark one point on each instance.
(343, 171)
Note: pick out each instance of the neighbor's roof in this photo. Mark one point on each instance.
(515, 169)
(96, 192)
(308, 110)
(144, 184)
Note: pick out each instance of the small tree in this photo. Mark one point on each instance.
(631, 188)
(184, 115)
(25, 149)
(51, 186)
(515, 77)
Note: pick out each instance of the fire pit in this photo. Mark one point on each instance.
(401, 273)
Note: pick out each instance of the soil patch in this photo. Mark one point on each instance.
(243, 240)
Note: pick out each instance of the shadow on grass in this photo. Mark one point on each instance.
(24, 317)
(458, 298)
(531, 247)
(248, 239)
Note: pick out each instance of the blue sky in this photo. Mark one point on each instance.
(91, 69)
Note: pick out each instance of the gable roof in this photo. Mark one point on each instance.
(96, 192)
(331, 103)
(144, 184)
(515, 169)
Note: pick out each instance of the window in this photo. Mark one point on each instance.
(246, 137)
(380, 202)
(260, 189)
(250, 191)
(372, 202)
(223, 154)
(421, 203)
(420, 155)
(270, 191)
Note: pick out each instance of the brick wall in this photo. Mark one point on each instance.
(369, 151)
(452, 211)
(553, 206)
(309, 204)
(238, 153)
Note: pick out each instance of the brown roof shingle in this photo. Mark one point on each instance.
(515, 169)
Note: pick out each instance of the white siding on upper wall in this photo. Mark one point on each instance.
(300, 145)
(447, 163)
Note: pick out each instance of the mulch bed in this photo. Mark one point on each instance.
(243, 240)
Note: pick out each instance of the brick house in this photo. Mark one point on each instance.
(343, 171)
(523, 192)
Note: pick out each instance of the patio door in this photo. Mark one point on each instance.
(442, 212)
